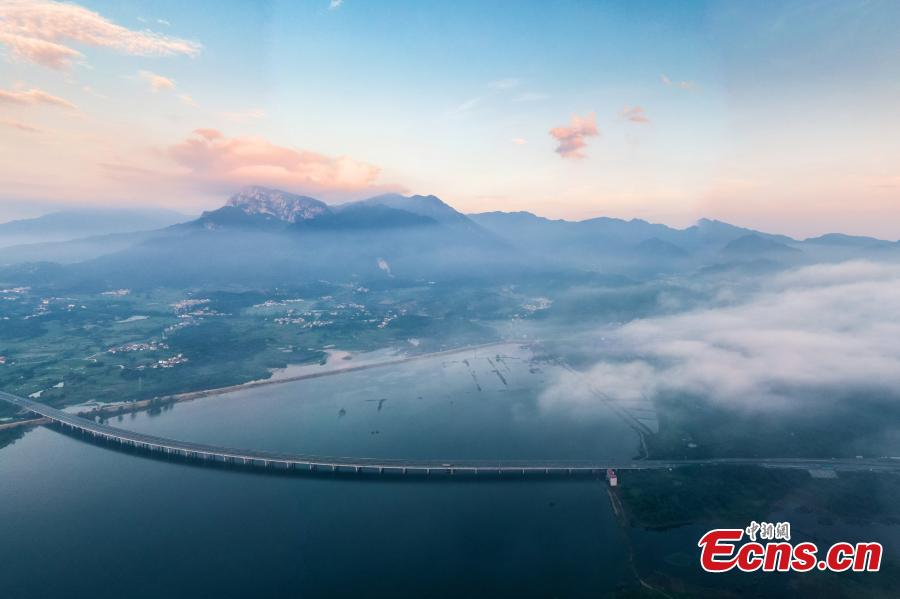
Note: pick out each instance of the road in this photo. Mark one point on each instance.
(315, 463)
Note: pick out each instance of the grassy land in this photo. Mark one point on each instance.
(812, 426)
(127, 347)
(727, 494)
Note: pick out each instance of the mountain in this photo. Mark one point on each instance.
(365, 216)
(715, 234)
(266, 237)
(261, 208)
(657, 248)
(546, 234)
(754, 245)
(839, 239)
(427, 206)
(269, 237)
(277, 204)
(614, 244)
(73, 250)
(74, 224)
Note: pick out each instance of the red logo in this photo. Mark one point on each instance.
(720, 551)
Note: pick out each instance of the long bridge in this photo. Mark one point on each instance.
(212, 454)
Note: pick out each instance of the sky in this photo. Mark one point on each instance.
(781, 116)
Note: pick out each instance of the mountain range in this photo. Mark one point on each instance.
(264, 236)
(76, 224)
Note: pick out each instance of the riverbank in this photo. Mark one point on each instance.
(297, 373)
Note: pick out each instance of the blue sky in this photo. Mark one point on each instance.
(779, 115)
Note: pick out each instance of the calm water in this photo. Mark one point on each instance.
(82, 520)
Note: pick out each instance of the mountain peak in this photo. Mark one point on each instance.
(429, 206)
(278, 204)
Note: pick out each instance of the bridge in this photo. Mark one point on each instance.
(211, 454)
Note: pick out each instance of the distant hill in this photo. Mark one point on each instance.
(74, 224)
(610, 243)
(73, 250)
(427, 206)
(657, 248)
(269, 237)
(755, 246)
(839, 239)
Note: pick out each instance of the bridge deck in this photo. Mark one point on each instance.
(266, 459)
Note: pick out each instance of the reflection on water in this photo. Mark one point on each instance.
(479, 404)
(78, 519)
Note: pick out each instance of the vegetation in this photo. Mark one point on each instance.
(726, 495)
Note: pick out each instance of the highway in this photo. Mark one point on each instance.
(211, 454)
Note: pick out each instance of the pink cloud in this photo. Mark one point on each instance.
(157, 82)
(55, 56)
(571, 138)
(635, 114)
(33, 97)
(39, 30)
(19, 125)
(217, 161)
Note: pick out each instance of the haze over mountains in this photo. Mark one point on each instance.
(267, 237)
(85, 222)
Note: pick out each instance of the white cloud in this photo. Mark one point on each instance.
(335, 4)
(819, 329)
(464, 108)
(686, 85)
(531, 97)
(507, 83)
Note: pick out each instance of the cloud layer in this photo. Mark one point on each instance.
(686, 85)
(821, 329)
(40, 31)
(14, 124)
(218, 161)
(634, 114)
(156, 82)
(33, 97)
(571, 138)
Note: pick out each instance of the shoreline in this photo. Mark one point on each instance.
(144, 404)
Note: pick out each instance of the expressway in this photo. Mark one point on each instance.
(211, 454)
